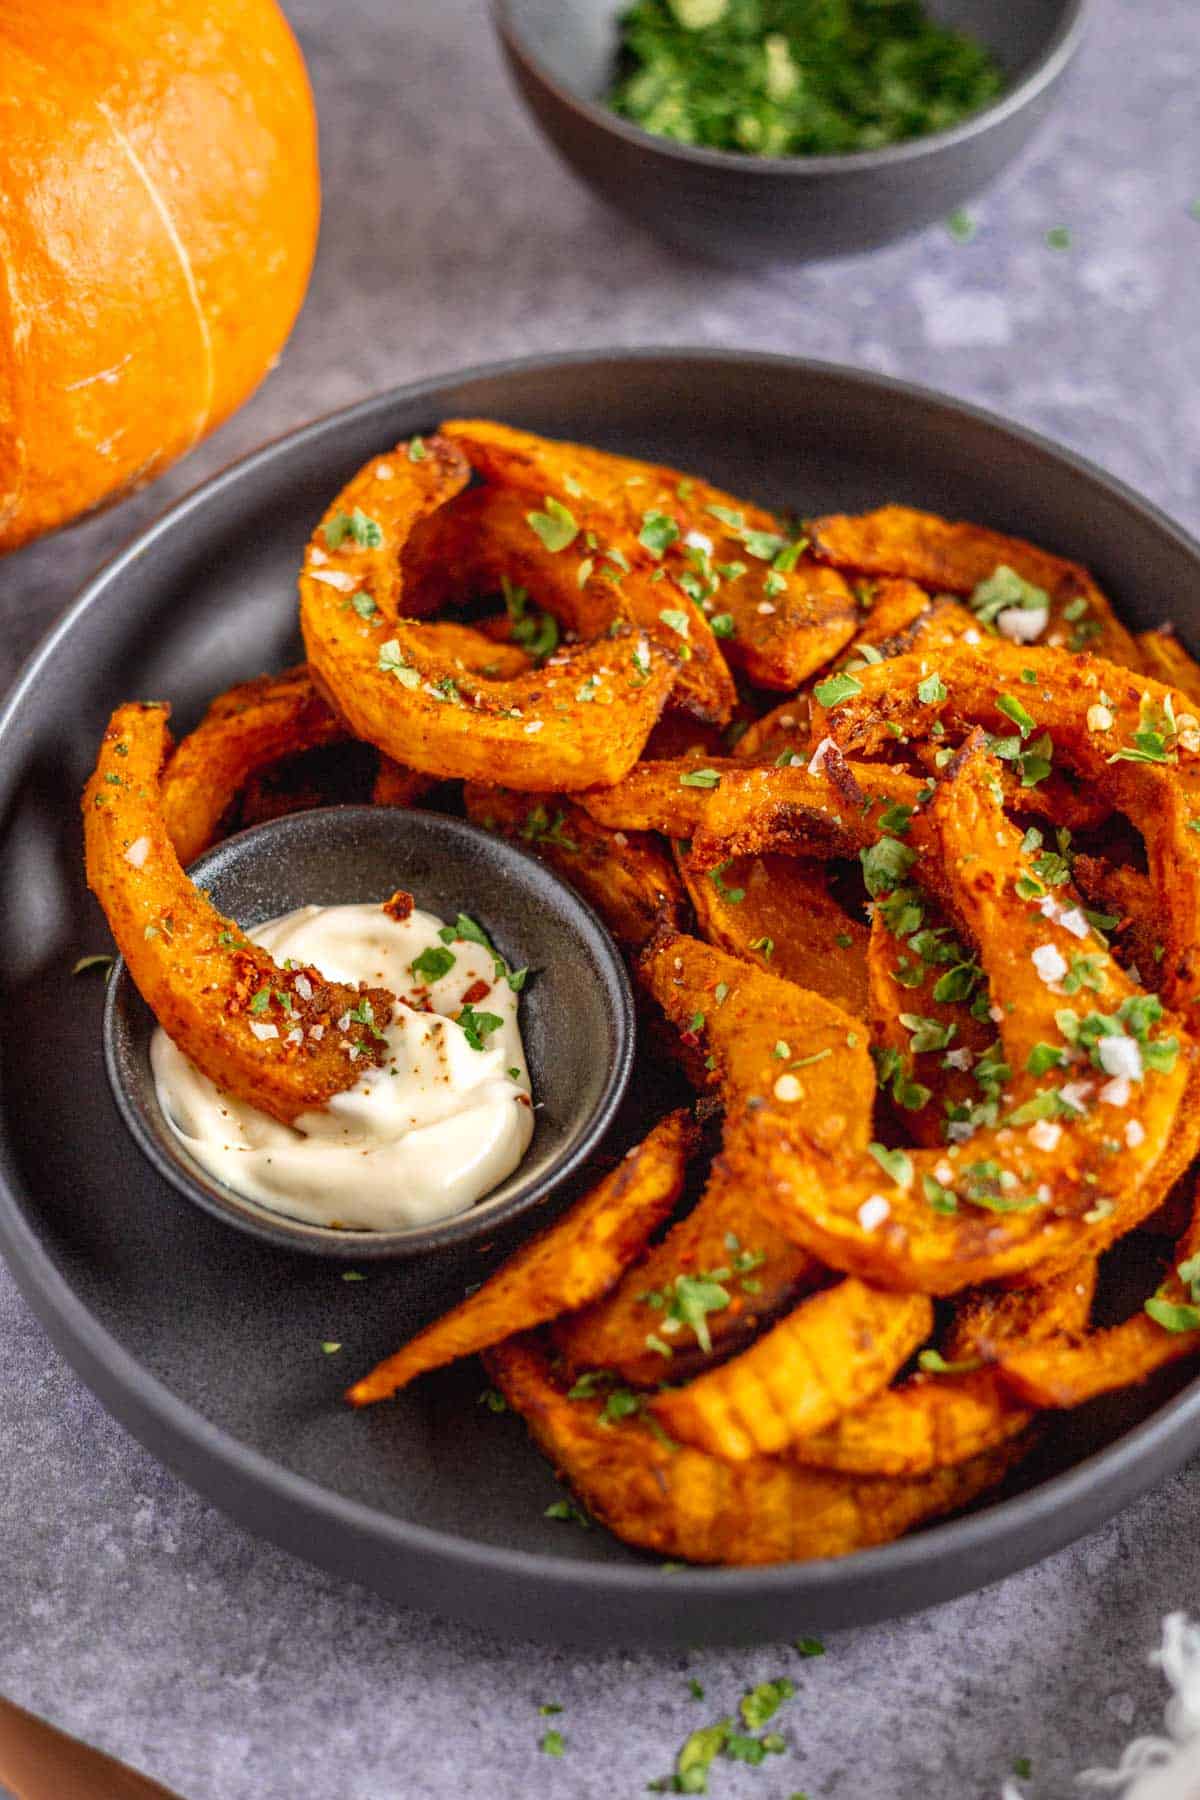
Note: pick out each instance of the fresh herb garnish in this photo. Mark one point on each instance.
(800, 77)
(433, 962)
(556, 526)
(478, 1025)
(361, 530)
(838, 688)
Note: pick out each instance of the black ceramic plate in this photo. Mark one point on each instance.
(207, 1345)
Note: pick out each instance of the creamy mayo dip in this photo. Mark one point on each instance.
(435, 1128)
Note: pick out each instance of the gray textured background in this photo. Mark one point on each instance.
(135, 1615)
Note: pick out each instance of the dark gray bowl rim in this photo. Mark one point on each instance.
(478, 1221)
(1041, 1518)
(1044, 72)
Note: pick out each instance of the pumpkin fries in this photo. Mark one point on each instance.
(899, 828)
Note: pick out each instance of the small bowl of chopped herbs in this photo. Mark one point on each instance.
(772, 131)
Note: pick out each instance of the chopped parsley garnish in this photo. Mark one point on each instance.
(732, 896)
(416, 450)
(801, 77)
(700, 778)
(686, 1302)
(1173, 1315)
(493, 1399)
(961, 225)
(885, 864)
(675, 621)
(721, 625)
(1058, 237)
(932, 691)
(556, 527)
(892, 1071)
(553, 1744)
(894, 1163)
(659, 531)
(1012, 709)
(433, 962)
(393, 662)
(941, 1199)
(1155, 740)
(465, 930)
(363, 605)
(932, 1362)
(539, 828)
(838, 688)
(478, 1025)
(567, 1513)
(1003, 590)
(990, 1186)
(536, 632)
(926, 1034)
(361, 530)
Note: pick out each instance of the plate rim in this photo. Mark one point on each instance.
(174, 1432)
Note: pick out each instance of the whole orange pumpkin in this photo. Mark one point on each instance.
(159, 200)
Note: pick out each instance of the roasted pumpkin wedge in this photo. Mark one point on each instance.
(571, 1262)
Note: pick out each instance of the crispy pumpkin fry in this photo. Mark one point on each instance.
(571, 1262)
(902, 618)
(934, 1420)
(778, 912)
(837, 1348)
(1139, 744)
(782, 613)
(1071, 1368)
(718, 1275)
(928, 1422)
(1065, 1372)
(627, 876)
(485, 538)
(754, 1027)
(201, 978)
(1164, 657)
(245, 729)
(741, 810)
(581, 718)
(683, 1503)
(989, 1320)
(1072, 1166)
(957, 559)
(765, 1036)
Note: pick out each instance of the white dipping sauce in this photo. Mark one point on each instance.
(422, 1137)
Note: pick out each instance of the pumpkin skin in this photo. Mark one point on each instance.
(159, 199)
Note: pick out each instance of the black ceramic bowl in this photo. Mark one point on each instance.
(207, 1342)
(752, 211)
(576, 1011)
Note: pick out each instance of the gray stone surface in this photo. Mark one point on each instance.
(135, 1615)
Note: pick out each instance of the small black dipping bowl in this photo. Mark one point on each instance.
(576, 1013)
(751, 211)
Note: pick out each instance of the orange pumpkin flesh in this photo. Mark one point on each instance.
(159, 199)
